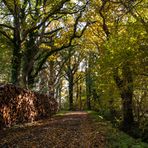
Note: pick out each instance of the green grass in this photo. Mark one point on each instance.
(116, 138)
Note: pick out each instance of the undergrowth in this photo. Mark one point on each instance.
(114, 137)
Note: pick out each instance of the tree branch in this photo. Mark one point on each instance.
(105, 27)
(7, 26)
(9, 8)
(6, 35)
(56, 9)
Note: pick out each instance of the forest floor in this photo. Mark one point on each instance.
(71, 130)
(67, 130)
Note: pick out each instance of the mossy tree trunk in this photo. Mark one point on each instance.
(16, 57)
(125, 85)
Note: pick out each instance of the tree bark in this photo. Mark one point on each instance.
(51, 79)
(88, 85)
(27, 69)
(125, 86)
(71, 92)
(16, 65)
(16, 58)
(80, 97)
(58, 94)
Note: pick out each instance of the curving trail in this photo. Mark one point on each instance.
(72, 130)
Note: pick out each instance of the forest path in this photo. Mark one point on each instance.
(71, 130)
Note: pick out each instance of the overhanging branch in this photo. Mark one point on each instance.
(6, 35)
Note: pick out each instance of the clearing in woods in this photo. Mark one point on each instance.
(71, 130)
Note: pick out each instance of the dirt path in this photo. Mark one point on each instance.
(73, 130)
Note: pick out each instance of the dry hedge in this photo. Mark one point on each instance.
(18, 105)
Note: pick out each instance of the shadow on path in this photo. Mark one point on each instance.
(71, 130)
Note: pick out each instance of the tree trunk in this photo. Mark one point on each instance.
(16, 58)
(125, 86)
(88, 101)
(27, 70)
(80, 97)
(71, 92)
(58, 95)
(31, 50)
(128, 118)
(88, 89)
(77, 94)
(16, 65)
(51, 79)
(30, 79)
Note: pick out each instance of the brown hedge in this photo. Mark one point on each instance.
(18, 105)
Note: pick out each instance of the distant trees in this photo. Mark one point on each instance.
(5, 59)
(71, 67)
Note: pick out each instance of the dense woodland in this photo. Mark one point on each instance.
(87, 54)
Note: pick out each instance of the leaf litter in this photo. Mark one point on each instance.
(71, 130)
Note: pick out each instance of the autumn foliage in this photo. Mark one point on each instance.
(19, 105)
